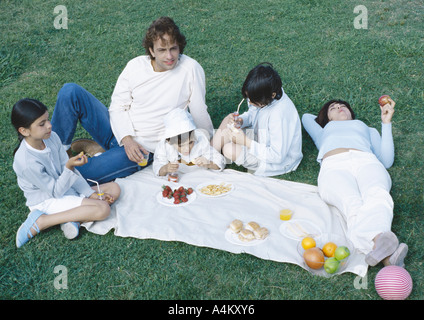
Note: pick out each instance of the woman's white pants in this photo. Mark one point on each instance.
(358, 185)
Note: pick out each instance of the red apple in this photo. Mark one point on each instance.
(383, 100)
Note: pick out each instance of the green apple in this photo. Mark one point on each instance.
(331, 265)
(341, 253)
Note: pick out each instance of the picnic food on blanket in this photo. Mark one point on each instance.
(341, 253)
(285, 214)
(261, 233)
(298, 230)
(236, 226)
(252, 231)
(179, 195)
(384, 99)
(331, 265)
(308, 242)
(246, 235)
(216, 189)
(252, 226)
(329, 248)
(331, 256)
(314, 258)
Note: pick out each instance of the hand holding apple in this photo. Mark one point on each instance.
(387, 106)
(384, 99)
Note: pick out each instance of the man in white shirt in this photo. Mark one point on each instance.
(148, 88)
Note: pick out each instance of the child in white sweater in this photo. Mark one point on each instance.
(55, 192)
(269, 142)
(184, 144)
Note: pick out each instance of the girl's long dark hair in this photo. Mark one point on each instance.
(24, 113)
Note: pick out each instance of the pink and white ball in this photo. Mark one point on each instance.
(393, 283)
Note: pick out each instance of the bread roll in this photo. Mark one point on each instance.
(246, 235)
(236, 225)
(261, 233)
(252, 226)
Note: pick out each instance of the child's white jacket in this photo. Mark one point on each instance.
(165, 153)
(42, 174)
(277, 134)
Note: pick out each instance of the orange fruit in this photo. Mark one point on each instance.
(308, 242)
(329, 248)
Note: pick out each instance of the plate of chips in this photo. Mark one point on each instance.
(215, 189)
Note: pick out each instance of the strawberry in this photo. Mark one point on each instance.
(179, 195)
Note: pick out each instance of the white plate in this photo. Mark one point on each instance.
(232, 237)
(297, 229)
(200, 186)
(170, 202)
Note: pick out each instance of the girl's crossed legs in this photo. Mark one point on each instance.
(79, 209)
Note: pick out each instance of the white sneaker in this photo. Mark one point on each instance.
(397, 258)
(385, 244)
(70, 229)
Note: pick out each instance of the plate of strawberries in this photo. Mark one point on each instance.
(176, 197)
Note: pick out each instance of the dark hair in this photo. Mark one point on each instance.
(181, 138)
(322, 118)
(160, 27)
(261, 83)
(24, 113)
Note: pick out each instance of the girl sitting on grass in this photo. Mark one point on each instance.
(354, 179)
(270, 140)
(55, 192)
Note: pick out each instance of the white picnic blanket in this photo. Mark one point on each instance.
(204, 221)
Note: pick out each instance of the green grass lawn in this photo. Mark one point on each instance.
(319, 54)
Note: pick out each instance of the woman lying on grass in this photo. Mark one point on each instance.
(353, 177)
(55, 192)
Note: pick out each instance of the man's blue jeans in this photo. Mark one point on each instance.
(74, 104)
